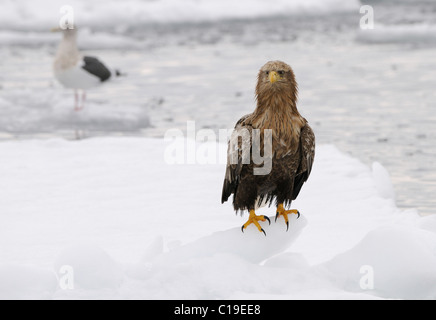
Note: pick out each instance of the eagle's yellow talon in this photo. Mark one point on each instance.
(282, 212)
(254, 219)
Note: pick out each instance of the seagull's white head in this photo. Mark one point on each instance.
(68, 32)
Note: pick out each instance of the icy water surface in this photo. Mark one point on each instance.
(372, 100)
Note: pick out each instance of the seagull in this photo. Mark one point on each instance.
(76, 71)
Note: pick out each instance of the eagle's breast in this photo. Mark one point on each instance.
(286, 128)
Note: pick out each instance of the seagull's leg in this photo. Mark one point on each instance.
(76, 100)
(83, 100)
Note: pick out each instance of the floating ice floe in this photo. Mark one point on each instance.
(110, 215)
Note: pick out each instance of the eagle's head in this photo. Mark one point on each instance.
(276, 81)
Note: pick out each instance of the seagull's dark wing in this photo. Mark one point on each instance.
(96, 67)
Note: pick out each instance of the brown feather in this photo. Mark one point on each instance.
(293, 144)
(277, 108)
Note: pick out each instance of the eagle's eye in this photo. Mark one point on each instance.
(267, 73)
(281, 73)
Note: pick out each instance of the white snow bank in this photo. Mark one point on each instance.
(29, 15)
(403, 261)
(428, 223)
(152, 230)
(246, 245)
(26, 282)
(92, 267)
(120, 24)
(409, 33)
(383, 181)
(215, 265)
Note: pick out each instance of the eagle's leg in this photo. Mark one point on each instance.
(282, 212)
(254, 219)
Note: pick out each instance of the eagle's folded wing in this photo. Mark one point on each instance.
(307, 145)
(238, 154)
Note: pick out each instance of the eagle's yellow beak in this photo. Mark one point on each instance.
(273, 77)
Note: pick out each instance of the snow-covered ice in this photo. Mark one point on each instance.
(369, 92)
(132, 226)
(408, 33)
(27, 15)
(402, 258)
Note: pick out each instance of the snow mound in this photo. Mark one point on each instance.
(92, 267)
(428, 223)
(383, 181)
(162, 232)
(211, 267)
(25, 282)
(402, 260)
(250, 245)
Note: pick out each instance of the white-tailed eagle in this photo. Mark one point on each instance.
(292, 144)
